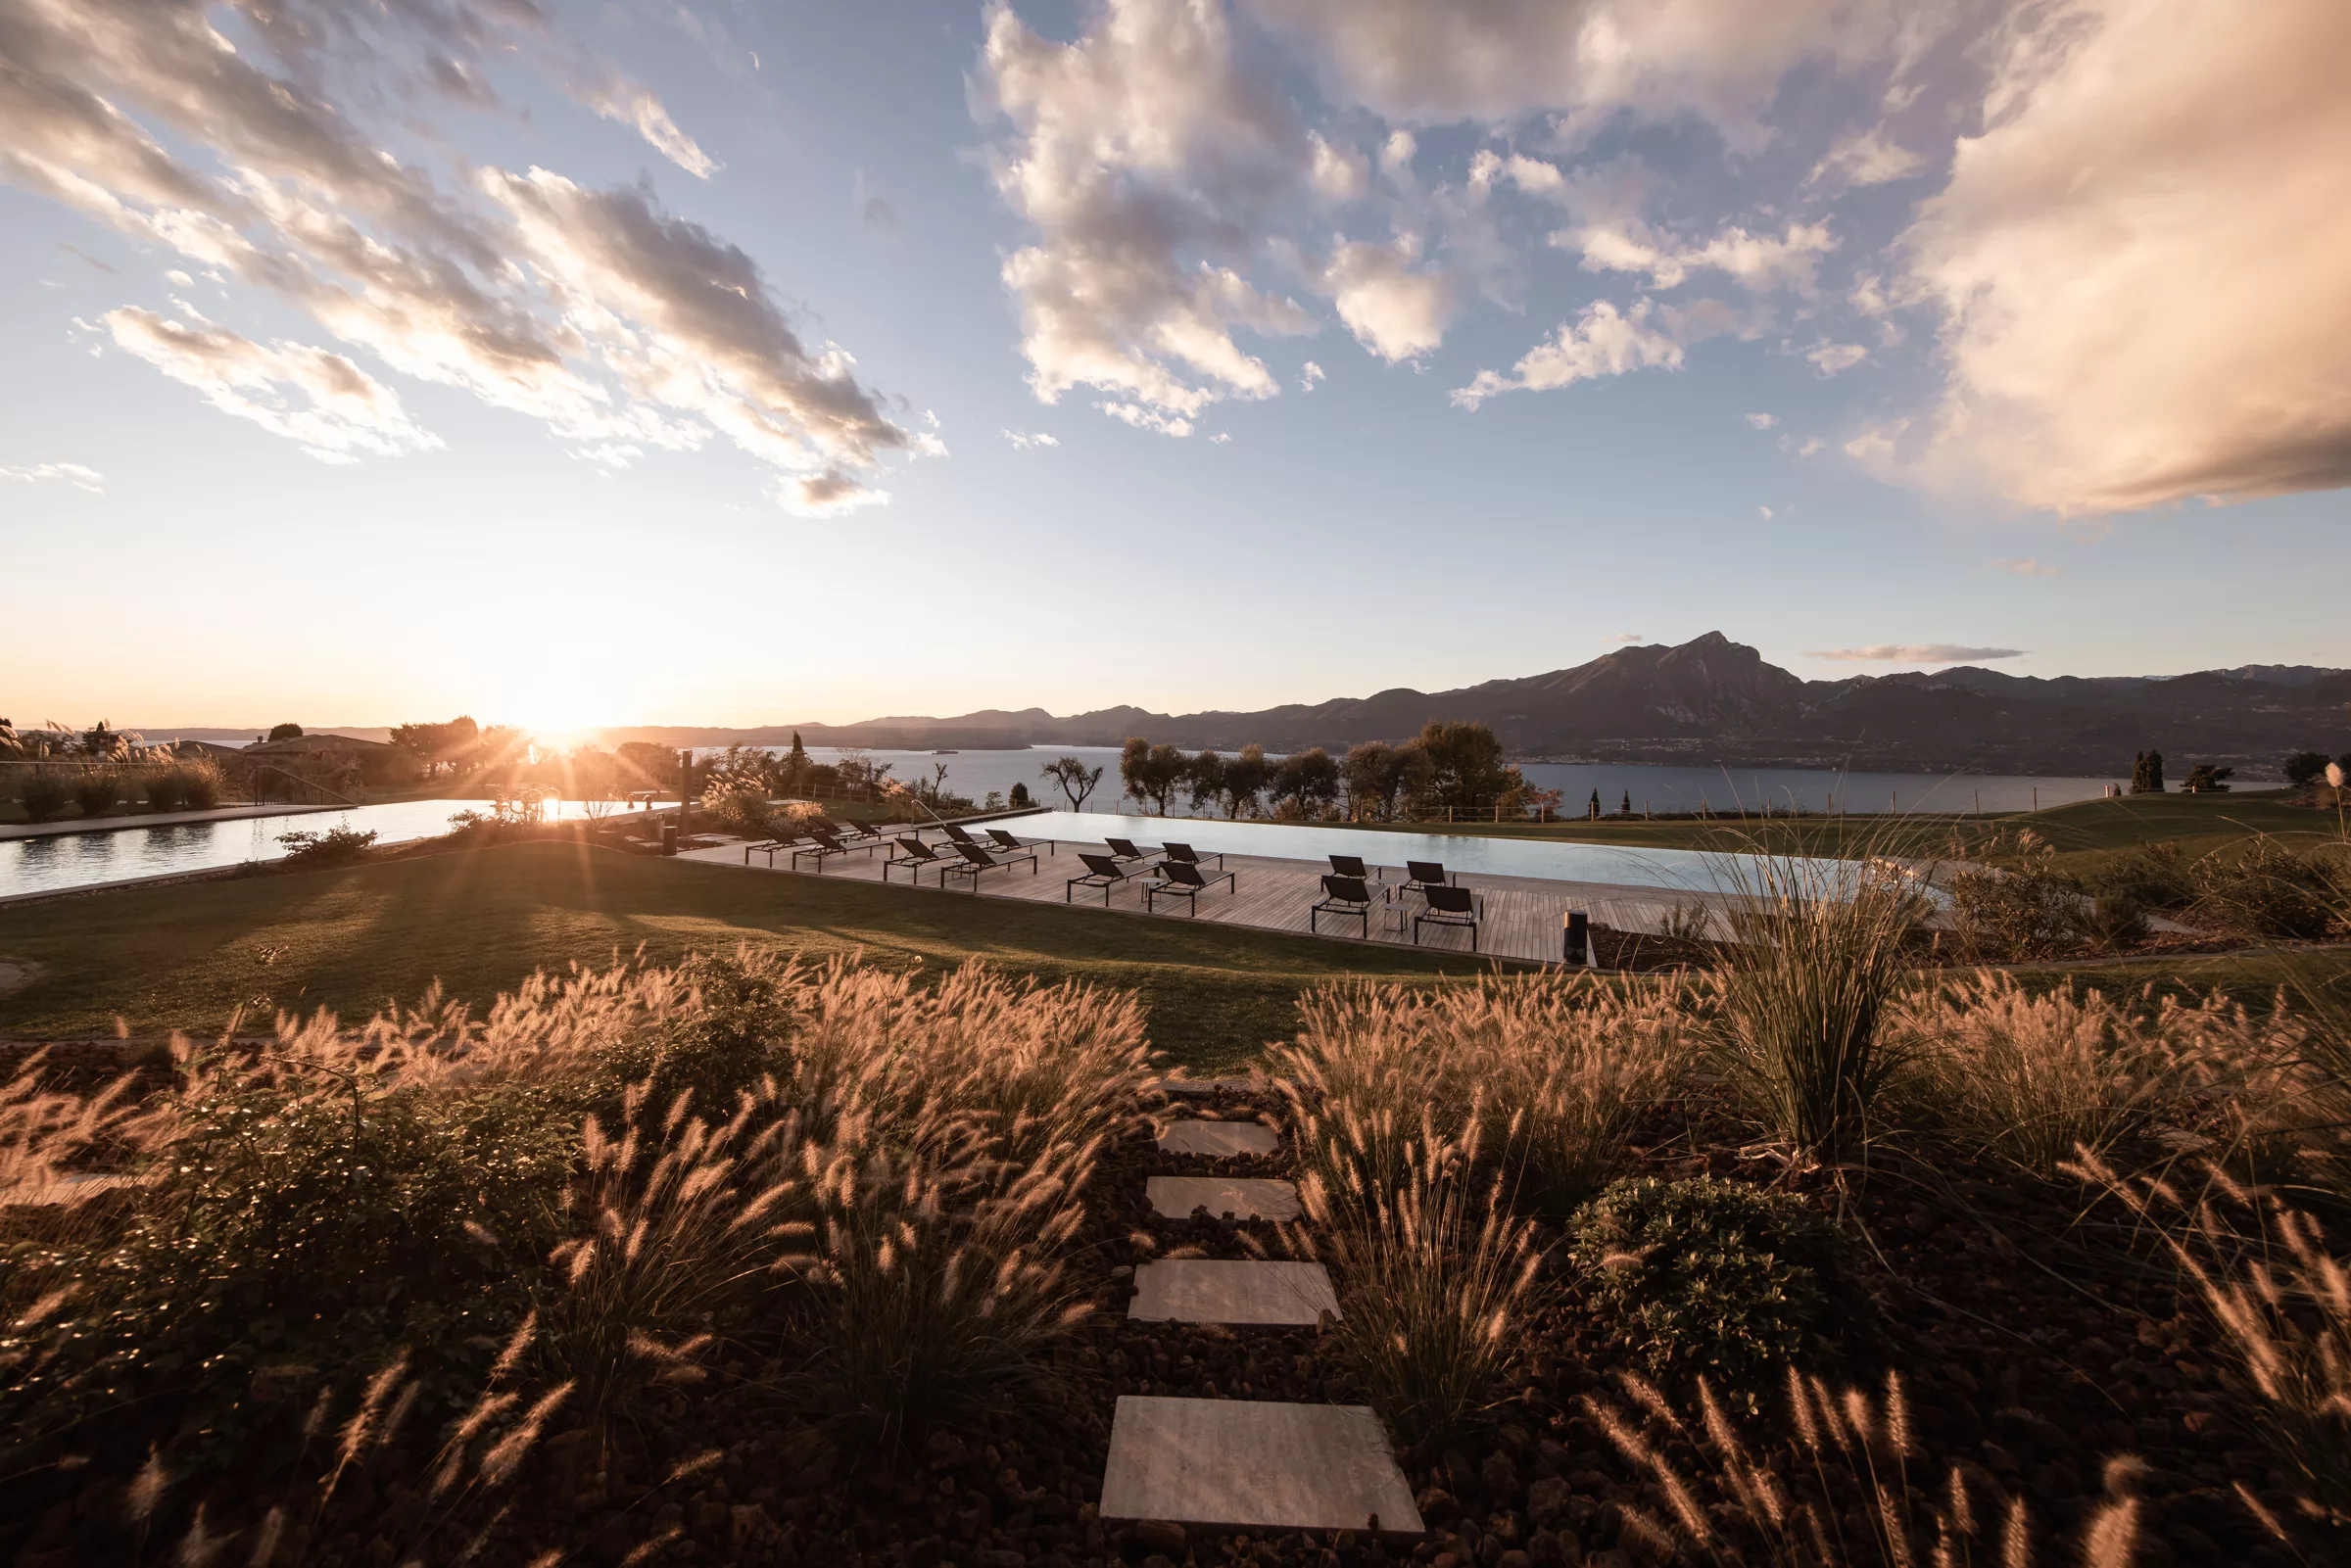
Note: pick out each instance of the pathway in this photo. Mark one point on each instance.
(1241, 1464)
(147, 818)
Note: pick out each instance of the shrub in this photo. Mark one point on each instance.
(2031, 1078)
(1550, 1074)
(2267, 889)
(165, 788)
(334, 847)
(201, 782)
(44, 792)
(1815, 957)
(1713, 1277)
(2156, 876)
(1437, 1286)
(96, 790)
(731, 1027)
(739, 804)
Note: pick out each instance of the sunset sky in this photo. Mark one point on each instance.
(736, 362)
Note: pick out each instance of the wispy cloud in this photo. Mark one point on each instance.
(1028, 440)
(1626, 637)
(2027, 566)
(1917, 653)
(75, 474)
(1761, 421)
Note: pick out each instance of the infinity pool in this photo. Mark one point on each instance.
(1682, 869)
(119, 854)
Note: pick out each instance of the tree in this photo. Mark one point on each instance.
(1466, 761)
(438, 745)
(1019, 795)
(1594, 811)
(1075, 779)
(1151, 774)
(1246, 775)
(2147, 774)
(1306, 781)
(1372, 773)
(2305, 768)
(2206, 780)
(1625, 808)
(277, 732)
(1204, 773)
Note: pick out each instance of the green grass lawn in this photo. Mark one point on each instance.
(185, 956)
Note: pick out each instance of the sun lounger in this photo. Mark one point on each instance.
(1447, 906)
(914, 855)
(1180, 880)
(767, 847)
(824, 846)
(1354, 866)
(1126, 849)
(958, 835)
(1100, 872)
(1343, 895)
(1187, 855)
(1013, 846)
(977, 860)
(1422, 874)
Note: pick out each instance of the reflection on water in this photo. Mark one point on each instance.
(119, 854)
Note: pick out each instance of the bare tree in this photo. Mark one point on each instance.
(1075, 779)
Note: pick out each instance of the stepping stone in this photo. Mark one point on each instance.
(1192, 1136)
(1242, 1197)
(1251, 1464)
(1193, 1290)
(1199, 1088)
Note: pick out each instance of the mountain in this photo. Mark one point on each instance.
(1711, 699)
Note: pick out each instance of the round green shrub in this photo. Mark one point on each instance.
(1713, 1278)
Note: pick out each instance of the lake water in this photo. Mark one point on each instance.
(1652, 789)
(119, 854)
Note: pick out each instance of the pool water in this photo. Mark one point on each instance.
(1680, 870)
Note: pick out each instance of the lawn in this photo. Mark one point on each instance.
(185, 956)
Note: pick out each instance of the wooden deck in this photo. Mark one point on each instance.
(1523, 917)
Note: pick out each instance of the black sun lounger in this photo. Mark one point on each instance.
(1125, 849)
(1186, 855)
(768, 847)
(1447, 906)
(914, 855)
(1422, 874)
(957, 836)
(1179, 881)
(1013, 846)
(977, 860)
(1100, 872)
(826, 845)
(1343, 895)
(1353, 866)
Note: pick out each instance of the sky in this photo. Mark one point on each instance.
(737, 362)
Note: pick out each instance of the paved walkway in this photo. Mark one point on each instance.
(1252, 1465)
(1522, 916)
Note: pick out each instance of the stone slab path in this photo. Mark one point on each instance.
(1218, 1139)
(1207, 1290)
(1253, 1464)
(1241, 1197)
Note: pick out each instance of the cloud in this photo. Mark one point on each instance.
(1830, 358)
(1626, 637)
(1495, 59)
(73, 474)
(1865, 158)
(1308, 374)
(1760, 261)
(2027, 566)
(1760, 421)
(1603, 342)
(1222, 438)
(826, 494)
(1147, 158)
(1395, 309)
(1151, 419)
(595, 311)
(335, 410)
(1025, 440)
(1917, 653)
(2144, 259)
(1766, 511)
